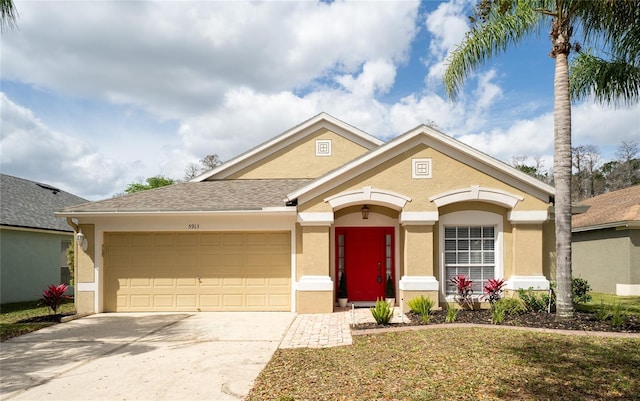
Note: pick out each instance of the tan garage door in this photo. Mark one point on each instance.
(249, 271)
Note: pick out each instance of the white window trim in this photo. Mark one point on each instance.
(472, 218)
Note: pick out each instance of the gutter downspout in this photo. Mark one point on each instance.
(72, 224)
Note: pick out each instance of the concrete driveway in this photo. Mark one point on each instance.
(160, 356)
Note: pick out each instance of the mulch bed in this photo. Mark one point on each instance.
(581, 321)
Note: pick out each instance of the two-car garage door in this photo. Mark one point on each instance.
(204, 271)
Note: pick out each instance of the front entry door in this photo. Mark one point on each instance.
(367, 254)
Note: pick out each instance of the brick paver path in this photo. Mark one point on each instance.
(320, 330)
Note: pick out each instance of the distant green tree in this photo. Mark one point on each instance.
(151, 183)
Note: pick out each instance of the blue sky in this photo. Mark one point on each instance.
(96, 95)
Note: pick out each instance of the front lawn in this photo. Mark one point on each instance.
(630, 303)
(24, 317)
(457, 364)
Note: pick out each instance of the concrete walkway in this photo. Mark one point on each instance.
(328, 329)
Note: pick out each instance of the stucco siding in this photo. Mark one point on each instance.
(395, 175)
(634, 258)
(603, 258)
(299, 160)
(29, 263)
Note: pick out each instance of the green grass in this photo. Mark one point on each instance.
(12, 314)
(457, 364)
(630, 303)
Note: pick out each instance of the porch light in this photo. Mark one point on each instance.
(365, 212)
(82, 241)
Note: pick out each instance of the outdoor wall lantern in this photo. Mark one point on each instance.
(82, 241)
(365, 212)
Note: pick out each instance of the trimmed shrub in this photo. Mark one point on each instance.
(382, 312)
(464, 290)
(507, 307)
(540, 302)
(421, 306)
(54, 295)
(581, 290)
(452, 314)
(493, 290)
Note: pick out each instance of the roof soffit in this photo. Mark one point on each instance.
(439, 142)
(291, 136)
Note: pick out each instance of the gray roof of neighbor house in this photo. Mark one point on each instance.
(610, 210)
(224, 195)
(30, 204)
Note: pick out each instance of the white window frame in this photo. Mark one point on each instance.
(468, 218)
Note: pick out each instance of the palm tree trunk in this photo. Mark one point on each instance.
(562, 178)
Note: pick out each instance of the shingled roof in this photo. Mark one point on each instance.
(29, 204)
(224, 195)
(612, 209)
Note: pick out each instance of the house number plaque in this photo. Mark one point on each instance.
(193, 226)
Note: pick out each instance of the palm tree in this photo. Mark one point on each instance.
(502, 23)
(8, 14)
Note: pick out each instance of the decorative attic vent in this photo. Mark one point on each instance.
(323, 147)
(421, 168)
(49, 187)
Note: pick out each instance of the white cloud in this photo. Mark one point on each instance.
(29, 149)
(448, 25)
(180, 59)
(222, 77)
(377, 77)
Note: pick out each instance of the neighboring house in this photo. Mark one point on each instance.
(273, 229)
(606, 242)
(33, 241)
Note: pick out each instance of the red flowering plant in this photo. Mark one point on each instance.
(464, 290)
(493, 290)
(54, 296)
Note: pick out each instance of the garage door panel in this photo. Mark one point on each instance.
(282, 282)
(229, 239)
(210, 282)
(197, 271)
(163, 282)
(256, 282)
(186, 282)
(163, 301)
(210, 239)
(186, 301)
(140, 301)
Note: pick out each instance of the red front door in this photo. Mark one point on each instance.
(367, 254)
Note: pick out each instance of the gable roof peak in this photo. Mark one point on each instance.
(278, 142)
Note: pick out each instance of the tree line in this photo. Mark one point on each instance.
(591, 175)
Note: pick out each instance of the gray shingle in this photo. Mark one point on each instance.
(25, 203)
(223, 195)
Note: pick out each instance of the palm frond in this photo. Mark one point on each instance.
(492, 37)
(8, 15)
(612, 82)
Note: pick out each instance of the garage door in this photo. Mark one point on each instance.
(248, 271)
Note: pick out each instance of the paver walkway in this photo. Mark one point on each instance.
(332, 329)
(321, 330)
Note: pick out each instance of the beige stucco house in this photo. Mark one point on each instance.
(274, 228)
(606, 242)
